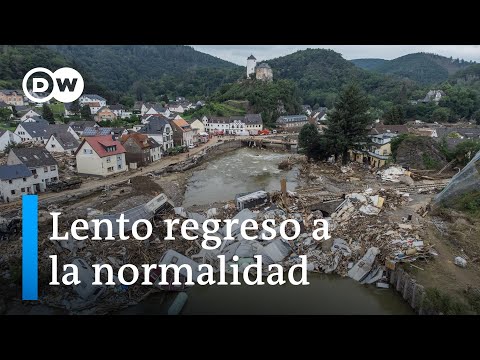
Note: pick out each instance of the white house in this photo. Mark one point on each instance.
(120, 112)
(159, 129)
(29, 114)
(40, 162)
(157, 110)
(176, 107)
(63, 142)
(234, 125)
(101, 156)
(198, 125)
(94, 107)
(15, 181)
(40, 132)
(92, 98)
(7, 138)
(253, 123)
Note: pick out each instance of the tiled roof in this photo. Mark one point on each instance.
(66, 140)
(100, 144)
(10, 172)
(34, 157)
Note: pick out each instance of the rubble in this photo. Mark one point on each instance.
(461, 262)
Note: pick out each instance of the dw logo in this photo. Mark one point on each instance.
(66, 85)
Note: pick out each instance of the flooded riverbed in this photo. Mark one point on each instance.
(248, 170)
(243, 170)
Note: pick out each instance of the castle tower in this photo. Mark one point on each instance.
(251, 64)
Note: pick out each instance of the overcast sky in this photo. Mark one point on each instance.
(238, 53)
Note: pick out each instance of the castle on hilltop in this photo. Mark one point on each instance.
(262, 71)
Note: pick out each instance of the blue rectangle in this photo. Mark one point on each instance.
(30, 247)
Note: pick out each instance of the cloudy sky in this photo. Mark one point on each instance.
(239, 53)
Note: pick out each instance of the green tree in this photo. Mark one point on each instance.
(347, 122)
(85, 113)
(47, 114)
(466, 150)
(394, 115)
(5, 114)
(75, 107)
(307, 138)
(164, 98)
(441, 115)
(476, 116)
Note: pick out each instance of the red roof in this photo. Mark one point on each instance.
(100, 144)
(93, 104)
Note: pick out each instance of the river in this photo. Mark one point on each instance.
(247, 170)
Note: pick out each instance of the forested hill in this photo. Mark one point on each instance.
(369, 64)
(320, 74)
(421, 67)
(17, 60)
(147, 71)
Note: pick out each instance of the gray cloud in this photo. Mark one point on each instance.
(239, 53)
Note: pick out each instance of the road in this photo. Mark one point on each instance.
(92, 184)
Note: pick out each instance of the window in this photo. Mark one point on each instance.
(9, 181)
(119, 158)
(12, 192)
(22, 190)
(109, 159)
(54, 178)
(53, 168)
(110, 169)
(34, 171)
(45, 169)
(24, 179)
(52, 146)
(87, 151)
(119, 166)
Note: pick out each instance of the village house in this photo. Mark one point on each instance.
(102, 131)
(15, 181)
(183, 134)
(8, 138)
(377, 153)
(249, 124)
(137, 107)
(12, 97)
(100, 156)
(92, 98)
(120, 111)
(288, 122)
(157, 109)
(62, 142)
(140, 150)
(253, 123)
(104, 114)
(40, 131)
(320, 115)
(94, 107)
(198, 125)
(79, 126)
(176, 106)
(29, 114)
(40, 162)
(433, 96)
(160, 130)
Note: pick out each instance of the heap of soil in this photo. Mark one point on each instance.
(421, 153)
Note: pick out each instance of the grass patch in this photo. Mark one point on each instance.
(469, 203)
(430, 164)
(4, 126)
(58, 108)
(436, 301)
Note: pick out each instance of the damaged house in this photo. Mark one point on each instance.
(183, 133)
(140, 150)
(377, 153)
(15, 181)
(41, 164)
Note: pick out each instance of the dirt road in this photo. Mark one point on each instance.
(92, 184)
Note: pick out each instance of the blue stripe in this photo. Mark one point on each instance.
(30, 247)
